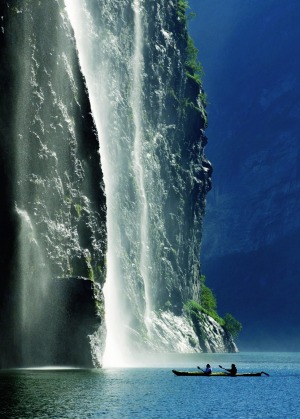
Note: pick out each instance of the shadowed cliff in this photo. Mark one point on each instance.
(53, 206)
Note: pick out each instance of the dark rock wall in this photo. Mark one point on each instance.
(175, 119)
(8, 220)
(53, 205)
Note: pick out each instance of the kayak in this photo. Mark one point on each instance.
(217, 374)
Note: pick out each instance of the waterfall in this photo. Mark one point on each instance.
(149, 123)
(136, 106)
(103, 181)
(33, 292)
(112, 100)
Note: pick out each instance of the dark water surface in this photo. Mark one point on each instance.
(155, 392)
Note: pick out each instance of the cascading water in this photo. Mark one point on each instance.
(130, 219)
(33, 292)
(115, 95)
(136, 106)
(154, 180)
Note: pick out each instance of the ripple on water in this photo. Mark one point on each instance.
(155, 392)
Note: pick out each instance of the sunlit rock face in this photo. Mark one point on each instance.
(150, 118)
(212, 337)
(175, 119)
(53, 206)
(252, 226)
(139, 119)
(181, 334)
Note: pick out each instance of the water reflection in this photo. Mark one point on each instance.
(155, 392)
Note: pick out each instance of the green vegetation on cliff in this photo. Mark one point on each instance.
(182, 6)
(193, 68)
(232, 325)
(209, 306)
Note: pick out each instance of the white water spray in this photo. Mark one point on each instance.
(87, 37)
(33, 292)
(133, 69)
(136, 105)
(101, 58)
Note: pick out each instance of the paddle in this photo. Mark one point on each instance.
(227, 372)
(200, 369)
(262, 372)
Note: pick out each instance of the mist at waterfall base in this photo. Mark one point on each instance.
(156, 392)
(251, 239)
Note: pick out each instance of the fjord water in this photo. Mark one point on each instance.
(154, 392)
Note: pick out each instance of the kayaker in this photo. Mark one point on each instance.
(208, 369)
(232, 370)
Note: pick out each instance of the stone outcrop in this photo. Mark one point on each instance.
(212, 337)
(54, 204)
(183, 334)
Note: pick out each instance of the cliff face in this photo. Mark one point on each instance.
(184, 334)
(150, 119)
(53, 209)
(175, 121)
(252, 225)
